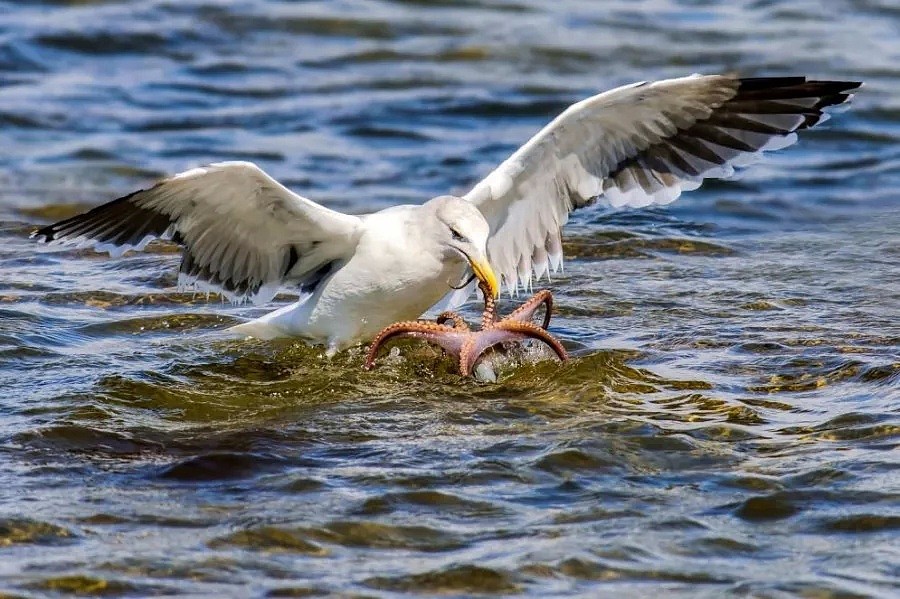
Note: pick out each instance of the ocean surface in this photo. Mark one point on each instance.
(729, 422)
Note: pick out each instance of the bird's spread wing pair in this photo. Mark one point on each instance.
(245, 235)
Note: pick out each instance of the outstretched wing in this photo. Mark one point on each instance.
(637, 145)
(243, 232)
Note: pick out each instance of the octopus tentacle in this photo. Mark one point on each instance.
(449, 338)
(458, 323)
(526, 311)
(468, 355)
(489, 316)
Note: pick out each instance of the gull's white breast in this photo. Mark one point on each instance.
(396, 273)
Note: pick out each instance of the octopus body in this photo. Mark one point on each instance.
(453, 335)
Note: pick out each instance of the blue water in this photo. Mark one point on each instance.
(729, 422)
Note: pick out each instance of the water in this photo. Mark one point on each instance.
(729, 422)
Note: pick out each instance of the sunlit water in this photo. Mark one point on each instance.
(728, 424)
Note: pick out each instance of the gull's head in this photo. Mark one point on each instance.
(462, 233)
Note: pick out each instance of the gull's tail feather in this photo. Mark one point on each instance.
(287, 321)
(258, 330)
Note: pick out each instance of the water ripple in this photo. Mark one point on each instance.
(728, 422)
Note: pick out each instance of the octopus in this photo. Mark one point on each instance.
(451, 333)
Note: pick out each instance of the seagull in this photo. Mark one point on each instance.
(245, 236)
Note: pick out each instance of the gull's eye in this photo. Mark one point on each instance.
(456, 235)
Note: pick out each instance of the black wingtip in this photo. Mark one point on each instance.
(770, 91)
(48, 234)
(749, 84)
(766, 83)
(121, 222)
(774, 88)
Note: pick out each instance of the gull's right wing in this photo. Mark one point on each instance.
(637, 145)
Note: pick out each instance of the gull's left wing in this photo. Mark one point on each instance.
(242, 233)
(637, 145)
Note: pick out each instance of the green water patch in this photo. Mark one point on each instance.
(377, 535)
(457, 580)
(270, 539)
(94, 586)
(17, 531)
(270, 380)
(427, 501)
(618, 245)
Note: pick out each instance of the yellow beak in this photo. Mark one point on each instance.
(486, 275)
